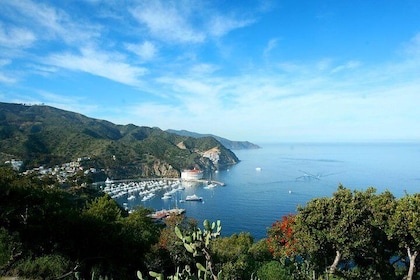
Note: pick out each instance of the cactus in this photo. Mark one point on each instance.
(198, 244)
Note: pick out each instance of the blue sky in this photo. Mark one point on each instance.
(262, 71)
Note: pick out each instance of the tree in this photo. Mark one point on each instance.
(274, 270)
(405, 227)
(281, 239)
(346, 231)
(168, 253)
(231, 255)
(260, 251)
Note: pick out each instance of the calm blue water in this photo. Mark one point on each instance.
(291, 175)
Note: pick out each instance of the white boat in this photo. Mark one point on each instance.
(193, 197)
(148, 197)
(108, 181)
(167, 196)
(210, 186)
(131, 197)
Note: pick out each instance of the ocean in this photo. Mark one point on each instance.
(271, 182)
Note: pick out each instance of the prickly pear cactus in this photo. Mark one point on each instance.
(197, 243)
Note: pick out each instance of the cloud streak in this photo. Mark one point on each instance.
(167, 21)
(107, 65)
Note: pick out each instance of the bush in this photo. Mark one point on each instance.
(274, 270)
(45, 267)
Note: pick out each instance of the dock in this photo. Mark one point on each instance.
(161, 214)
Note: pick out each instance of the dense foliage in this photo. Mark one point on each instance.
(352, 235)
(51, 232)
(47, 232)
(43, 135)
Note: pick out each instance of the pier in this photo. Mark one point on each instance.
(160, 178)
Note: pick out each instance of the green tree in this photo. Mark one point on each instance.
(405, 227)
(168, 253)
(260, 251)
(99, 233)
(346, 230)
(231, 255)
(274, 270)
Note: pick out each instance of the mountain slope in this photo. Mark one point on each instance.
(43, 135)
(232, 145)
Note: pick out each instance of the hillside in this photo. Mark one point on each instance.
(43, 135)
(232, 145)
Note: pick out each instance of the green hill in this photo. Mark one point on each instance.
(232, 145)
(43, 135)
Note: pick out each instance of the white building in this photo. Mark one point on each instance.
(191, 174)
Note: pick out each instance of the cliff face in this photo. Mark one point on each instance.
(219, 158)
(160, 169)
(43, 135)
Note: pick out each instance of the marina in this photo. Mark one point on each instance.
(273, 181)
(160, 194)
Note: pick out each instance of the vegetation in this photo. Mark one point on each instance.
(47, 232)
(351, 235)
(232, 145)
(51, 232)
(43, 135)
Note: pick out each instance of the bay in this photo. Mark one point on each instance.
(271, 182)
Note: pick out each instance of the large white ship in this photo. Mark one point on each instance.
(191, 174)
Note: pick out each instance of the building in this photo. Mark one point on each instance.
(191, 174)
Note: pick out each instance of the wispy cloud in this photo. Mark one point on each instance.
(220, 25)
(15, 37)
(186, 21)
(7, 79)
(99, 63)
(146, 50)
(412, 48)
(68, 102)
(47, 22)
(309, 98)
(348, 65)
(168, 21)
(272, 43)
(203, 69)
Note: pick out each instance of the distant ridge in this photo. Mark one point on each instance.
(232, 145)
(40, 135)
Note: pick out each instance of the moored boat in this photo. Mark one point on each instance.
(193, 197)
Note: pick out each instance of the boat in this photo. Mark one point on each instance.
(167, 196)
(148, 197)
(210, 185)
(108, 181)
(131, 197)
(193, 197)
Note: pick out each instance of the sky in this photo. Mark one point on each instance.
(261, 71)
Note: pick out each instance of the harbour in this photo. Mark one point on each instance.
(269, 183)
